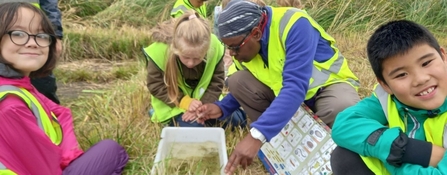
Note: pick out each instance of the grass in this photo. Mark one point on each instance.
(103, 46)
(96, 70)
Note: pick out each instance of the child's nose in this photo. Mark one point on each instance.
(31, 42)
(421, 79)
(191, 64)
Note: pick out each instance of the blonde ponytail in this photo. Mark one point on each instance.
(191, 35)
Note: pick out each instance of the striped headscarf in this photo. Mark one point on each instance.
(239, 17)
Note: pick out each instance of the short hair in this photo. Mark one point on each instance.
(396, 38)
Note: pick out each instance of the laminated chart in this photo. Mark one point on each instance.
(303, 147)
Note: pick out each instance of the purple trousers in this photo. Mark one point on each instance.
(104, 158)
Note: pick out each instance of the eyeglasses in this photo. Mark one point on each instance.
(261, 26)
(20, 38)
(244, 40)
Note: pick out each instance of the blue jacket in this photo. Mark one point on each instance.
(303, 45)
(54, 14)
(355, 124)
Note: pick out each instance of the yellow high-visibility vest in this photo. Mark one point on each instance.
(181, 6)
(334, 70)
(434, 128)
(51, 127)
(157, 52)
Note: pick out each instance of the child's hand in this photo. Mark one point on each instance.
(208, 111)
(194, 105)
(437, 154)
(189, 116)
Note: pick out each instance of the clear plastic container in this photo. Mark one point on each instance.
(173, 135)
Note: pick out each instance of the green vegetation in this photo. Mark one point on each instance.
(103, 46)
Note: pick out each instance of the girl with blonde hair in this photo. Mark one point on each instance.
(185, 70)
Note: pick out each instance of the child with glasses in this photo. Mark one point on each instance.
(37, 135)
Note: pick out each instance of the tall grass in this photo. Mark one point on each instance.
(349, 15)
(121, 43)
(116, 30)
(120, 114)
(430, 13)
(85, 8)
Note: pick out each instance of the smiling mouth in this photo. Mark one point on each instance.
(427, 91)
(29, 54)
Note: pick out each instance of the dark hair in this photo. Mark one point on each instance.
(396, 38)
(8, 17)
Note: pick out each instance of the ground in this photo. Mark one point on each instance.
(101, 75)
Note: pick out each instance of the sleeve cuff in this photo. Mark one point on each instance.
(397, 150)
(185, 102)
(417, 152)
(224, 116)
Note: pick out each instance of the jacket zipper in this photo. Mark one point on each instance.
(412, 133)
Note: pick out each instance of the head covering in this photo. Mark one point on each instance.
(239, 17)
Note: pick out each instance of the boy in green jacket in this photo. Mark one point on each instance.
(392, 130)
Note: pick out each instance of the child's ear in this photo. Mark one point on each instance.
(443, 55)
(385, 87)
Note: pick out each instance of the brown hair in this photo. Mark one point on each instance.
(290, 3)
(8, 16)
(191, 34)
(259, 2)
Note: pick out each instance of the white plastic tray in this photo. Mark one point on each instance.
(188, 135)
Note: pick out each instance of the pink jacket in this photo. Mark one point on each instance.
(24, 147)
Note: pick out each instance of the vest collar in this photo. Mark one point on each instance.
(6, 71)
(420, 112)
(263, 51)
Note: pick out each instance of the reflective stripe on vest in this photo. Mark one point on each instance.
(431, 128)
(319, 77)
(51, 127)
(2, 167)
(383, 96)
(8, 89)
(5, 171)
(180, 7)
(334, 70)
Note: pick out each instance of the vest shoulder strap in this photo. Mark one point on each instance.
(12, 90)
